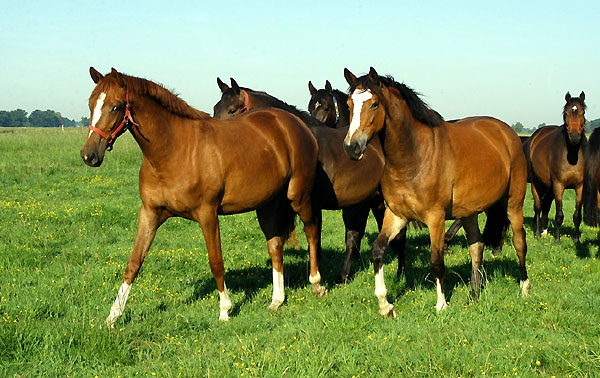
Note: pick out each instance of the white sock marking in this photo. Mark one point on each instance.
(224, 304)
(119, 305)
(441, 298)
(278, 289)
(358, 99)
(97, 113)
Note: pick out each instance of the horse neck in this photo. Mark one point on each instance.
(406, 142)
(343, 111)
(155, 134)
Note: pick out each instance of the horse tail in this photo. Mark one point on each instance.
(590, 179)
(495, 226)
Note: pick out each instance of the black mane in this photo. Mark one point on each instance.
(277, 103)
(418, 108)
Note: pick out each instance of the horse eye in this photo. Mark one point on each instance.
(115, 108)
(375, 105)
(231, 111)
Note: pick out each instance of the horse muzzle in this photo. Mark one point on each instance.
(355, 147)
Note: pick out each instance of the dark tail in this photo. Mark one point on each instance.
(495, 226)
(590, 179)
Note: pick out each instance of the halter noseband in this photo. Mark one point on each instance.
(127, 120)
(246, 100)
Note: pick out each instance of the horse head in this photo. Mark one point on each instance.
(110, 115)
(323, 105)
(367, 117)
(233, 102)
(574, 117)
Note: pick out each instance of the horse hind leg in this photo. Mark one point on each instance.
(547, 199)
(299, 195)
(476, 251)
(276, 221)
(515, 217)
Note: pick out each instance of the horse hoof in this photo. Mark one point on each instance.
(319, 291)
(525, 286)
(110, 323)
(224, 316)
(274, 305)
(389, 311)
(441, 306)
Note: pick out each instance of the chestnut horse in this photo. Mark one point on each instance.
(340, 183)
(197, 167)
(431, 174)
(555, 162)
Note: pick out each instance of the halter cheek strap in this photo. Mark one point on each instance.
(576, 124)
(127, 120)
(337, 109)
(245, 108)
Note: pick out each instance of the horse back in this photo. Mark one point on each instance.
(487, 153)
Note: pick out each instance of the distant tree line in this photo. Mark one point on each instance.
(38, 118)
(519, 128)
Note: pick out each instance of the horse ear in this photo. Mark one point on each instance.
(568, 97)
(222, 86)
(118, 76)
(311, 88)
(235, 86)
(350, 78)
(328, 87)
(373, 76)
(582, 96)
(96, 76)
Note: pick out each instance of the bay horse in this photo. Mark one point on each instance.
(555, 162)
(431, 174)
(329, 106)
(340, 183)
(591, 180)
(197, 167)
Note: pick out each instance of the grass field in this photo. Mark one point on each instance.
(66, 232)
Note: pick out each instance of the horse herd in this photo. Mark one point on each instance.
(380, 149)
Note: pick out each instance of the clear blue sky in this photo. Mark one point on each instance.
(514, 60)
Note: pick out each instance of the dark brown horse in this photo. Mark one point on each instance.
(329, 105)
(431, 174)
(197, 167)
(555, 162)
(340, 183)
(591, 182)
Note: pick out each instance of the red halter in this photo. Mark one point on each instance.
(245, 108)
(127, 120)
(576, 124)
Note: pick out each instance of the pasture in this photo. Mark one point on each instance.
(67, 230)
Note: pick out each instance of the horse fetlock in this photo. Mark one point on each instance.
(441, 305)
(318, 290)
(525, 286)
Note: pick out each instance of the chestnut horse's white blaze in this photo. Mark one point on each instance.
(119, 305)
(358, 98)
(224, 304)
(97, 111)
(278, 290)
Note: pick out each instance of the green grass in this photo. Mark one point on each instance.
(67, 231)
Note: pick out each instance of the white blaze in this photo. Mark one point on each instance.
(358, 99)
(97, 111)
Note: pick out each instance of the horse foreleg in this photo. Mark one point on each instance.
(392, 225)
(577, 212)
(558, 189)
(148, 222)
(476, 251)
(515, 216)
(436, 235)
(209, 223)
